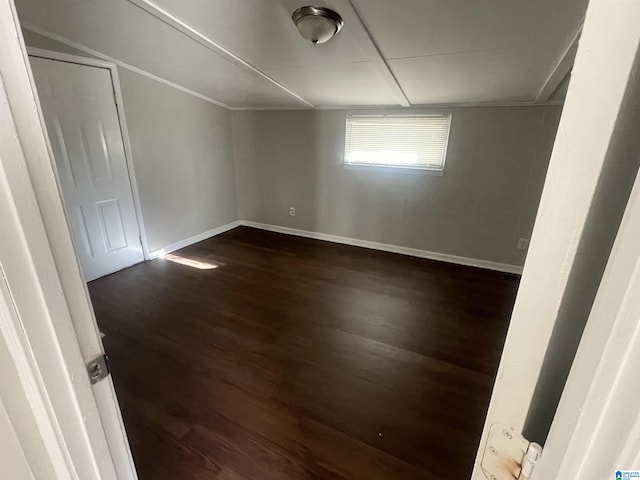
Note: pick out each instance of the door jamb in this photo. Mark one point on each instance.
(42, 343)
(68, 285)
(24, 395)
(124, 131)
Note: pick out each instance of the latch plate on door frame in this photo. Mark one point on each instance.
(98, 368)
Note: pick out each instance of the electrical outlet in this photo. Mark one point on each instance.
(292, 211)
(523, 244)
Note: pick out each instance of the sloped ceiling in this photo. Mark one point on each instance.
(248, 54)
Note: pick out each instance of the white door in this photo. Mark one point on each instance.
(84, 130)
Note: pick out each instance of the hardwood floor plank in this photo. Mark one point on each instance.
(296, 359)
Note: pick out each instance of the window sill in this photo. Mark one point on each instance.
(393, 169)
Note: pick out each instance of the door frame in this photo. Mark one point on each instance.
(59, 426)
(569, 204)
(62, 334)
(61, 293)
(22, 392)
(124, 131)
(596, 430)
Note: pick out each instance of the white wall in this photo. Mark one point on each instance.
(182, 155)
(496, 165)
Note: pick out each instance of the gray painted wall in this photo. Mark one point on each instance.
(488, 198)
(182, 155)
(184, 149)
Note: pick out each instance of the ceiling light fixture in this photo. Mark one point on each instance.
(317, 24)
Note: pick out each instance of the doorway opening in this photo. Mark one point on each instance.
(291, 351)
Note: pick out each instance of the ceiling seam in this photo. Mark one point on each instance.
(460, 52)
(102, 56)
(189, 31)
(139, 71)
(395, 107)
(381, 61)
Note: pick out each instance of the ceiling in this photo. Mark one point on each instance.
(248, 54)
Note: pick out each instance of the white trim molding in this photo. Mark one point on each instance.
(119, 101)
(412, 252)
(302, 107)
(394, 107)
(183, 27)
(107, 58)
(69, 58)
(596, 429)
(194, 239)
(26, 400)
(593, 117)
(561, 69)
(38, 328)
(355, 242)
(365, 38)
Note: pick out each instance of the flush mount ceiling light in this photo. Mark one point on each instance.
(317, 24)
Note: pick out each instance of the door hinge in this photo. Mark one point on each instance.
(98, 368)
(508, 455)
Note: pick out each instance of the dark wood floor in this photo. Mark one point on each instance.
(300, 359)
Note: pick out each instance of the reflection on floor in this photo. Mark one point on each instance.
(300, 359)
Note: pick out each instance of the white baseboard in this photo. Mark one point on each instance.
(414, 252)
(195, 239)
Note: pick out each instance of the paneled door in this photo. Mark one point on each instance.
(84, 129)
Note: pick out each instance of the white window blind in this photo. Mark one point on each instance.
(416, 142)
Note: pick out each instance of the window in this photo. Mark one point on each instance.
(402, 142)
